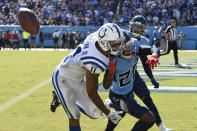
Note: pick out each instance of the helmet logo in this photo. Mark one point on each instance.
(103, 32)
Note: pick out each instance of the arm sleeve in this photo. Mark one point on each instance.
(148, 50)
(143, 52)
(147, 70)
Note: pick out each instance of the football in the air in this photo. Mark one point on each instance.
(28, 20)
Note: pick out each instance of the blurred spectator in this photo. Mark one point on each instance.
(90, 31)
(83, 35)
(60, 35)
(33, 41)
(25, 39)
(20, 36)
(7, 39)
(78, 38)
(65, 40)
(157, 36)
(97, 12)
(15, 39)
(41, 39)
(1, 39)
(71, 39)
(55, 39)
(181, 40)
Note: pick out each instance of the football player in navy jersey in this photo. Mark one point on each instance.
(122, 77)
(138, 26)
(137, 30)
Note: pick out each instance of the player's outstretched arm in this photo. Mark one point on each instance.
(151, 62)
(148, 50)
(92, 87)
(107, 80)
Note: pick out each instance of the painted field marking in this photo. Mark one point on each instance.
(18, 98)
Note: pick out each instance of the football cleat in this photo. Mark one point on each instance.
(55, 103)
(155, 83)
(177, 65)
(162, 127)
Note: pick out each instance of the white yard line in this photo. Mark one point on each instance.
(18, 98)
(172, 70)
(173, 89)
(166, 89)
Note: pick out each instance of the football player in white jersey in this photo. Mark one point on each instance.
(87, 60)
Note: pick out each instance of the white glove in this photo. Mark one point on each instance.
(114, 116)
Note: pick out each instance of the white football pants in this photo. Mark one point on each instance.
(73, 97)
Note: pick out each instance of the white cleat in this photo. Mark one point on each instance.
(107, 103)
(162, 127)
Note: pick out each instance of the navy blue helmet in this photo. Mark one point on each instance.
(138, 25)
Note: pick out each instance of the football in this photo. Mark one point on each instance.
(28, 20)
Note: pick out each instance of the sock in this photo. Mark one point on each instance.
(74, 128)
(141, 126)
(149, 103)
(110, 126)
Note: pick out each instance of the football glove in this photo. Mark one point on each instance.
(112, 67)
(55, 103)
(155, 83)
(153, 61)
(114, 116)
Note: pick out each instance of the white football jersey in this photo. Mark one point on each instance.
(87, 55)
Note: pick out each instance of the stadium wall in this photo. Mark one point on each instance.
(190, 41)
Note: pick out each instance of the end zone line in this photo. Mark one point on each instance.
(18, 98)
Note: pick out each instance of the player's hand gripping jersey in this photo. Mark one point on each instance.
(85, 55)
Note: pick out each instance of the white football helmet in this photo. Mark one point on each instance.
(110, 38)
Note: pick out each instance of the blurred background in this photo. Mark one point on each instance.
(73, 20)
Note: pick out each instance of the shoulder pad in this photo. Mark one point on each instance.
(144, 41)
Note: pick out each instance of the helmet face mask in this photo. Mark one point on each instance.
(115, 48)
(138, 26)
(129, 49)
(110, 38)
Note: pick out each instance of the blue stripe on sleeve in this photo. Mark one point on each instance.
(91, 57)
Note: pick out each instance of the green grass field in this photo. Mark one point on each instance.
(20, 71)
